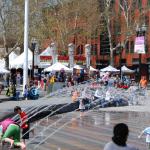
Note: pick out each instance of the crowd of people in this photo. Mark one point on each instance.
(10, 129)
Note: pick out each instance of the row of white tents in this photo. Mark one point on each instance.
(58, 66)
(12, 57)
(124, 69)
(18, 61)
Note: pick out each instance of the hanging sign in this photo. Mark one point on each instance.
(139, 46)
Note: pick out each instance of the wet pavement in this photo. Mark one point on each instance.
(89, 132)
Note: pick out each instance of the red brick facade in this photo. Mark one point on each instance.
(128, 57)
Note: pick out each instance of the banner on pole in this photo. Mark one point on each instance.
(139, 46)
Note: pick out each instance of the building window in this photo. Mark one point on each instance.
(135, 61)
(131, 46)
(139, 3)
(148, 2)
(117, 27)
(104, 43)
(127, 47)
(148, 60)
(94, 49)
(80, 50)
(147, 20)
(146, 48)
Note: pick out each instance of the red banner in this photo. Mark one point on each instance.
(63, 58)
(79, 58)
(45, 57)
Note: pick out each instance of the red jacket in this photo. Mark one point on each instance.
(24, 118)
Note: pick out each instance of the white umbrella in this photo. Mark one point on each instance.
(77, 67)
(124, 69)
(57, 67)
(2, 63)
(92, 69)
(109, 69)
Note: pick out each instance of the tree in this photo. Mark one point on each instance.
(107, 14)
(11, 28)
(66, 19)
(110, 18)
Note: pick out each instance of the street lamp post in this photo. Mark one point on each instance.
(33, 46)
(140, 31)
(120, 55)
(26, 27)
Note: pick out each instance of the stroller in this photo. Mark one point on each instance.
(33, 93)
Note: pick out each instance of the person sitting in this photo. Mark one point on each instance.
(123, 86)
(10, 132)
(119, 139)
(75, 95)
(9, 91)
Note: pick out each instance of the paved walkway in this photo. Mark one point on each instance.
(26, 103)
(90, 132)
(94, 129)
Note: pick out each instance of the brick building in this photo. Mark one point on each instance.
(100, 52)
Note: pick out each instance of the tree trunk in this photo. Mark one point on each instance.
(6, 51)
(7, 62)
(111, 57)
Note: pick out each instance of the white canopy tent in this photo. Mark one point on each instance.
(2, 63)
(2, 67)
(46, 52)
(57, 67)
(77, 67)
(19, 61)
(109, 69)
(92, 69)
(12, 57)
(4, 71)
(124, 69)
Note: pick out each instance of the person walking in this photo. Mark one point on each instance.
(146, 132)
(45, 82)
(81, 107)
(119, 139)
(26, 92)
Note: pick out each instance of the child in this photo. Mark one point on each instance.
(146, 132)
(24, 122)
(81, 107)
(10, 132)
